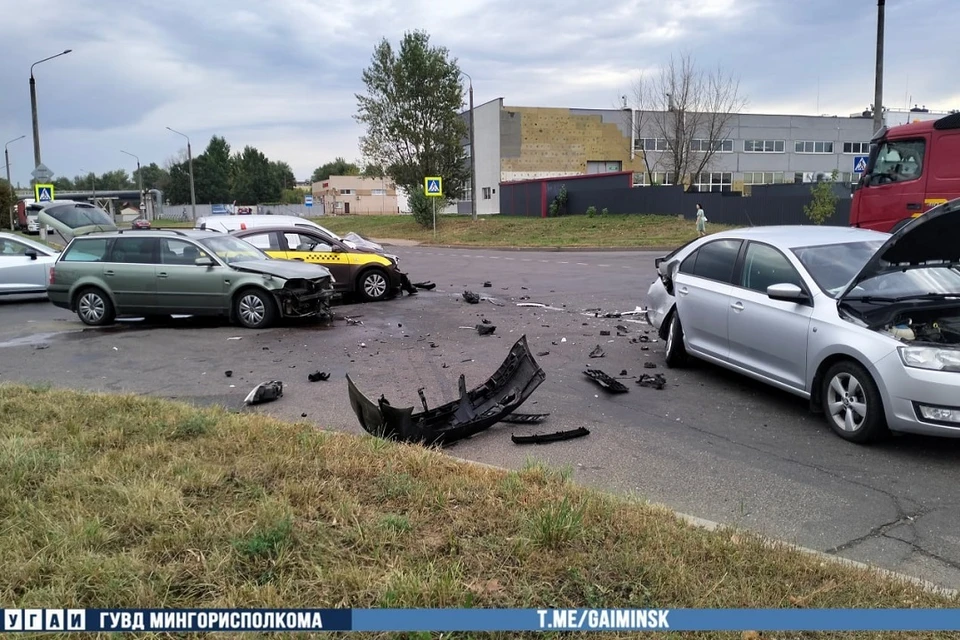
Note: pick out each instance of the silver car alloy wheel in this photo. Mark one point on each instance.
(252, 309)
(847, 402)
(375, 285)
(670, 330)
(91, 307)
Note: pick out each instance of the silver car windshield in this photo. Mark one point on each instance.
(833, 266)
(917, 281)
(231, 249)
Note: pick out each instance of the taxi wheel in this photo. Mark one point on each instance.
(373, 285)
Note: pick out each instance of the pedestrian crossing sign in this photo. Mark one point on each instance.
(860, 164)
(433, 186)
(43, 192)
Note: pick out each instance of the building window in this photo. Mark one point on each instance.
(809, 146)
(714, 182)
(651, 144)
(346, 192)
(858, 148)
(378, 192)
(720, 146)
(467, 195)
(763, 177)
(660, 178)
(486, 193)
(764, 146)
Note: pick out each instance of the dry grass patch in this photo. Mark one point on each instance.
(124, 501)
(628, 231)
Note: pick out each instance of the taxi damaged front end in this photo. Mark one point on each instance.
(302, 297)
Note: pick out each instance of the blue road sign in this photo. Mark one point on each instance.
(44, 192)
(308, 201)
(433, 186)
(860, 164)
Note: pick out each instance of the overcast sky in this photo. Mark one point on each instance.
(281, 75)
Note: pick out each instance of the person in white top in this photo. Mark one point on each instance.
(701, 221)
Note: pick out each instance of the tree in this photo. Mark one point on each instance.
(339, 167)
(63, 183)
(115, 180)
(154, 177)
(282, 174)
(178, 187)
(8, 200)
(690, 111)
(412, 115)
(212, 172)
(253, 181)
(823, 204)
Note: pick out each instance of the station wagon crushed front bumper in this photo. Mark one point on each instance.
(302, 298)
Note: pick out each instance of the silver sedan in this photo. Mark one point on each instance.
(24, 265)
(866, 325)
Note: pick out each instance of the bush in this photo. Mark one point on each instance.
(591, 211)
(824, 202)
(604, 211)
(422, 208)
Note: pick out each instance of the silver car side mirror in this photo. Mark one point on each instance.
(787, 293)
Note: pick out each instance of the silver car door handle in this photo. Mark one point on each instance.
(108, 273)
(162, 274)
(737, 306)
(683, 291)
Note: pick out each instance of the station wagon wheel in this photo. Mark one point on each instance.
(94, 307)
(254, 309)
(373, 285)
(676, 354)
(852, 403)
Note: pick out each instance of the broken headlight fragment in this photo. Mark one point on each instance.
(474, 411)
(551, 437)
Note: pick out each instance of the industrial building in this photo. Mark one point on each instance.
(345, 195)
(515, 144)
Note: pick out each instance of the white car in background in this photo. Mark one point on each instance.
(24, 265)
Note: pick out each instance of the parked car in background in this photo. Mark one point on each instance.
(140, 223)
(24, 265)
(160, 272)
(369, 274)
(865, 324)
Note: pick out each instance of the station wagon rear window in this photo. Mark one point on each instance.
(79, 215)
(86, 250)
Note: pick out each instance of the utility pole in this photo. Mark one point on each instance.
(143, 203)
(193, 192)
(33, 107)
(878, 90)
(473, 156)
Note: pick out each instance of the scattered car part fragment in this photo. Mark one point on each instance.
(649, 365)
(486, 321)
(474, 411)
(318, 376)
(471, 297)
(487, 284)
(604, 333)
(597, 353)
(525, 418)
(622, 328)
(543, 353)
(551, 437)
(486, 329)
(427, 285)
(657, 381)
(265, 392)
(605, 381)
(228, 373)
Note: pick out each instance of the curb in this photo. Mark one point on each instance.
(425, 245)
(772, 543)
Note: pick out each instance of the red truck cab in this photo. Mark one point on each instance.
(912, 168)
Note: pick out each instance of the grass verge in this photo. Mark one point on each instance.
(610, 231)
(125, 501)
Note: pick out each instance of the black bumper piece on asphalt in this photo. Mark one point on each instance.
(476, 410)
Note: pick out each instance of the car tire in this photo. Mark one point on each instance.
(373, 285)
(94, 307)
(851, 403)
(676, 354)
(254, 309)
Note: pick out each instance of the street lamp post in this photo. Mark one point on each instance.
(193, 193)
(33, 107)
(139, 181)
(473, 155)
(6, 158)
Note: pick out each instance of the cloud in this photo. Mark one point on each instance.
(283, 75)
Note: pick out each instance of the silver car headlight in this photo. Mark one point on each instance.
(932, 358)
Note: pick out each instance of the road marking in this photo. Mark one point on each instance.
(582, 264)
(603, 265)
(563, 263)
(508, 258)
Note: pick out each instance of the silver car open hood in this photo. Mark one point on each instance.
(287, 269)
(931, 238)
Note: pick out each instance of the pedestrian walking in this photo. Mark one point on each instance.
(701, 221)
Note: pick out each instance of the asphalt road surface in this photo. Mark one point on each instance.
(711, 444)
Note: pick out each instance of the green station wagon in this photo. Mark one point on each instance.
(102, 275)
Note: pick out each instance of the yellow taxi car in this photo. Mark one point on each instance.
(371, 275)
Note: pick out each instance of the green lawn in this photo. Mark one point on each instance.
(111, 501)
(634, 231)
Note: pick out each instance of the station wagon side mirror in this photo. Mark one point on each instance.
(787, 293)
(205, 261)
(30, 253)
